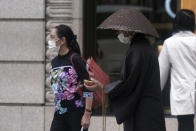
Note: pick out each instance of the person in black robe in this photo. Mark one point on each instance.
(136, 98)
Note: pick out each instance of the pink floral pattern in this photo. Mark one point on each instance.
(64, 84)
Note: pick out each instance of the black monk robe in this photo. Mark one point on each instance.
(138, 95)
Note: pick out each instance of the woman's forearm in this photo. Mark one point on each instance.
(87, 114)
(89, 102)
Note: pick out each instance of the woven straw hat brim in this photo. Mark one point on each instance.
(129, 20)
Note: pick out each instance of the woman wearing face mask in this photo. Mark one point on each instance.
(136, 98)
(125, 37)
(72, 112)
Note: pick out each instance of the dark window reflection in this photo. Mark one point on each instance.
(109, 51)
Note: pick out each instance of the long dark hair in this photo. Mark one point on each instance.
(184, 21)
(65, 31)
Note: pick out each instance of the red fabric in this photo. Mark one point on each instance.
(101, 76)
(98, 74)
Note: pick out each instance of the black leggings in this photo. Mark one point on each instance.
(185, 122)
(70, 121)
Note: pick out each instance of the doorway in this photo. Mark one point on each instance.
(104, 46)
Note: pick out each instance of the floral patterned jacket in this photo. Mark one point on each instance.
(64, 80)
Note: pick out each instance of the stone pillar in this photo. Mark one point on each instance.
(22, 58)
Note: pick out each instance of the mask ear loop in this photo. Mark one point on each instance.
(132, 33)
(131, 36)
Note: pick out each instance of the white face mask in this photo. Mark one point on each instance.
(52, 45)
(123, 39)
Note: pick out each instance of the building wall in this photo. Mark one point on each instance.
(22, 68)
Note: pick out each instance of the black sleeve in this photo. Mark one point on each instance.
(125, 96)
(80, 68)
(133, 70)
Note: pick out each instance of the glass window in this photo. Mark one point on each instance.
(109, 51)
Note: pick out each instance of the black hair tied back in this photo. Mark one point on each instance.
(74, 40)
(71, 39)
